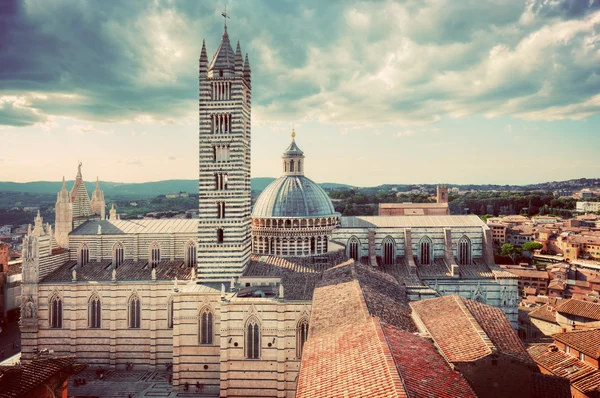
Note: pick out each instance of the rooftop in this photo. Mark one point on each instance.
(118, 227)
(128, 271)
(466, 330)
(581, 375)
(586, 341)
(410, 221)
(584, 309)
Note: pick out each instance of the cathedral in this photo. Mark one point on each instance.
(227, 297)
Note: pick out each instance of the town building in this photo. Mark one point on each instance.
(573, 355)
(530, 277)
(440, 208)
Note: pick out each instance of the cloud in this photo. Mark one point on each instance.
(131, 161)
(355, 65)
(88, 129)
(405, 133)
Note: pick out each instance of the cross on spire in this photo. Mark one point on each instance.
(225, 16)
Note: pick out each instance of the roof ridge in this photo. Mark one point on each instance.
(471, 318)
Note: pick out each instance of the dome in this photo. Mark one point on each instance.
(293, 196)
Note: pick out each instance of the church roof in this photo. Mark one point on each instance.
(293, 196)
(224, 58)
(466, 330)
(118, 227)
(82, 206)
(410, 221)
(130, 270)
(293, 150)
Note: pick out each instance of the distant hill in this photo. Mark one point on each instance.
(152, 189)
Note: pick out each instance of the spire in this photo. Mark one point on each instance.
(79, 171)
(97, 183)
(247, 68)
(223, 62)
(64, 186)
(112, 214)
(239, 61)
(203, 59)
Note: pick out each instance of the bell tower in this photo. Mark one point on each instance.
(224, 228)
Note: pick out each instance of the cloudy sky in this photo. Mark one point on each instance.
(481, 91)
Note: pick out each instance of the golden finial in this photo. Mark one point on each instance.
(293, 133)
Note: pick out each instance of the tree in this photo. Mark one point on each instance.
(531, 246)
(509, 250)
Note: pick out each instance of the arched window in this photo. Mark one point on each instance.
(301, 336)
(353, 246)
(425, 251)
(134, 312)
(388, 248)
(219, 235)
(252, 339)
(170, 312)
(154, 254)
(94, 312)
(56, 312)
(84, 255)
(190, 254)
(464, 251)
(205, 329)
(118, 254)
(292, 166)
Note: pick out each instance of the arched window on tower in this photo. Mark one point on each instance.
(190, 254)
(425, 251)
(205, 327)
(252, 339)
(388, 247)
(170, 313)
(292, 166)
(134, 315)
(154, 254)
(56, 312)
(464, 251)
(219, 235)
(353, 246)
(301, 336)
(84, 254)
(299, 166)
(94, 312)
(118, 254)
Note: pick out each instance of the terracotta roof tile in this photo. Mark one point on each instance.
(544, 314)
(20, 381)
(580, 374)
(547, 386)
(586, 341)
(584, 309)
(424, 371)
(466, 330)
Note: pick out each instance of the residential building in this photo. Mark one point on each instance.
(530, 277)
(439, 208)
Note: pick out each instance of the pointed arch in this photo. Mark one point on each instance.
(301, 335)
(94, 312)
(170, 312)
(425, 251)
(464, 250)
(56, 312)
(84, 254)
(118, 254)
(191, 254)
(154, 254)
(134, 311)
(388, 250)
(206, 326)
(252, 338)
(353, 248)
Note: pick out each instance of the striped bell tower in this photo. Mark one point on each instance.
(224, 229)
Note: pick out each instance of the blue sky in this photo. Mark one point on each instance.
(481, 91)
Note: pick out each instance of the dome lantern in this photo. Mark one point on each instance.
(293, 159)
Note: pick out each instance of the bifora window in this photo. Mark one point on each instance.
(170, 313)
(205, 330)
(464, 251)
(353, 248)
(84, 255)
(94, 312)
(301, 336)
(118, 254)
(154, 254)
(134, 312)
(190, 255)
(425, 246)
(253, 339)
(56, 312)
(388, 251)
